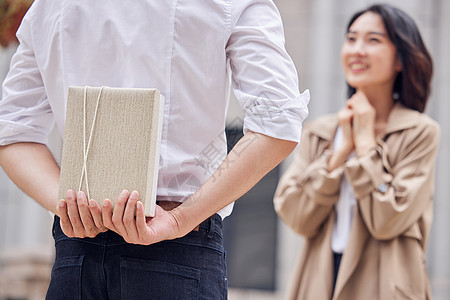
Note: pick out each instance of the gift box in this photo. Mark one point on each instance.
(111, 142)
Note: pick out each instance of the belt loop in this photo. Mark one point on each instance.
(211, 226)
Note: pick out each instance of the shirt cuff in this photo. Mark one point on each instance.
(281, 119)
(11, 133)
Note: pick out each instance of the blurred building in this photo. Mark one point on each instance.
(261, 250)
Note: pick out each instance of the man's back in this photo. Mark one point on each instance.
(186, 49)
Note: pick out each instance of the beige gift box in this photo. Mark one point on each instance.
(111, 142)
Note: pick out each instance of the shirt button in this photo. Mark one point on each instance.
(382, 188)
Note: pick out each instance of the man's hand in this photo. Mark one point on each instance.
(252, 158)
(78, 219)
(127, 218)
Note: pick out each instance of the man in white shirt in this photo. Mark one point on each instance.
(191, 51)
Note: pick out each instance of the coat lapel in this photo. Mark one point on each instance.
(401, 118)
(353, 252)
(325, 127)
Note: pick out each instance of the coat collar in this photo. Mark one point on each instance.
(399, 119)
(325, 127)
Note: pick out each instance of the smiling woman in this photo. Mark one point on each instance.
(369, 57)
(354, 190)
(413, 63)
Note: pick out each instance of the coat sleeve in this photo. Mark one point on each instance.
(392, 198)
(307, 192)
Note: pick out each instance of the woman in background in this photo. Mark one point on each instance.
(361, 185)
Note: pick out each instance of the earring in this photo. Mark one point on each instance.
(395, 96)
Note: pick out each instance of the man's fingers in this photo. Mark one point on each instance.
(118, 211)
(64, 221)
(96, 213)
(128, 217)
(140, 219)
(107, 215)
(90, 229)
(74, 216)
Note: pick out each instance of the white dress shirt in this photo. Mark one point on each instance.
(345, 208)
(190, 50)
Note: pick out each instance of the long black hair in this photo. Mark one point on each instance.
(413, 84)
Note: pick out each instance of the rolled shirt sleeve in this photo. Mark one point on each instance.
(264, 77)
(25, 114)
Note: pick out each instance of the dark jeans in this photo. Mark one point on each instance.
(106, 267)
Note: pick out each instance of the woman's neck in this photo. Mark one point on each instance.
(382, 101)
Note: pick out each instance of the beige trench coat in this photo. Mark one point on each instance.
(393, 184)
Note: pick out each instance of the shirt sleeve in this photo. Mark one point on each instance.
(25, 114)
(264, 77)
